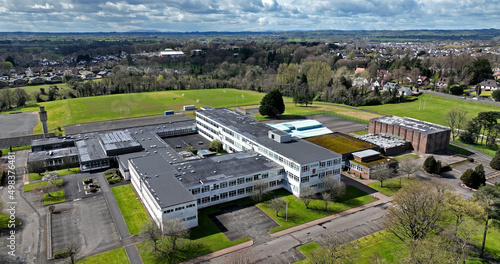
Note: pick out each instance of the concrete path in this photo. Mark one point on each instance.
(121, 226)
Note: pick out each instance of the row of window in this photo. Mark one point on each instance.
(277, 158)
(179, 208)
(234, 182)
(207, 120)
(233, 193)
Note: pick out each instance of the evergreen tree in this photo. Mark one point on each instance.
(474, 178)
(431, 165)
(467, 176)
(495, 162)
(272, 104)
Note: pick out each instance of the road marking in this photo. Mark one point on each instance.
(79, 190)
(77, 199)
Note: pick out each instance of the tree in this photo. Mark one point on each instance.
(455, 118)
(50, 178)
(272, 104)
(53, 92)
(431, 165)
(306, 195)
(150, 232)
(215, 145)
(416, 209)
(335, 187)
(480, 70)
(381, 172)
(489, 198)
(496, 95)
(21, 96)
(407, 165)
(460, 208)
(37, 166)
(173, 242)
(337, 250)
(327, 197)
(259, 190)
(495, 162)
(72, 250)
(277, 204)
(474, 178)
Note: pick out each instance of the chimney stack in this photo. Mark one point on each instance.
(43, 118)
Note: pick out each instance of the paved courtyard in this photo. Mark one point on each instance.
(249, 221)
(17, 124)
(87, 222)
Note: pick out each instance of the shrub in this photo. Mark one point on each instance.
(62, 254)
(431, 165)
(474, 178)
(495, 162)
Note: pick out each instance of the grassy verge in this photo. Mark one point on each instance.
(413, 156)
(391, 186)
(131, 208)
(298, 214)
(62, 172)
(207, 235)
(6, 151)
(492, 239)
(4, 221)
(307, 249)
(115, 256)
(55, 197)
(37, 185)
(460, 150)
(362, 132)
(482, 148)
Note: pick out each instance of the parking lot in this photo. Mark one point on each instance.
(86, 222)
(244, 221)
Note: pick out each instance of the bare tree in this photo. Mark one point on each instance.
(416, 209)
(243, 256)
(72, 252)
(334, 186)
(337, 249)
(259, 190)
(455, 118)
(277, 204)
(408, 166)
(175, 230)
(307, 195)
(381, 172)
(36, 166)
(327, 197)
(151, 232)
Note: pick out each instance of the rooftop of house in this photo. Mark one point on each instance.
(412, 124)
(341, 143)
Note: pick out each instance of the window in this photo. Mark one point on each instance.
(179, 208)
(191, 218)
(232, 183)
(272, 183)
(205, 188)
(223, 195)
(304, 179)
(241, 180)
(241, 191)
(249, 179)
(305, 169)
(322, 164)
(215, 187)
(205, 199)
(256, 177)
(249, 189)
(190, 205)
(337, 161)
(215, 198)
(281, 172)
(168, 211)
(265, 175)
(223, 185)
(195, 191)
(322, 175)
(329, 163)
(336, 171)
(232, 193)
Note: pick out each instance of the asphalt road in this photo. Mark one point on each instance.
(283, 249)
(17, 124)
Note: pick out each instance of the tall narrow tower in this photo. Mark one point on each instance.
(43, 118)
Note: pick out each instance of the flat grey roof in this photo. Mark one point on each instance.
(90, 149)
(366, 153)
(118, 140)
(124, 123)
(52, 154)
(298, 150)
(412, 124)
(222, 167)
(160, 179)
(50, 141)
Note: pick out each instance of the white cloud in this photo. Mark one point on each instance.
(46, 6)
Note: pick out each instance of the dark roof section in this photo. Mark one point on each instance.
(298, 150)
(118, 142)
(51, 141)
(124, 123)
(222, 167)
(52, 154)
(159, 178)
(90, 149)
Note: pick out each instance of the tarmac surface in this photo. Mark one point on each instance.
(14, 125)
(334, 123)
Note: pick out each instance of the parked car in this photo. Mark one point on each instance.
(463, 97)
(474, 98)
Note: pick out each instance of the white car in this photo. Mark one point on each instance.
(474, 98)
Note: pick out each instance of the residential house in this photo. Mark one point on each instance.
(489, 85)
(360, 82)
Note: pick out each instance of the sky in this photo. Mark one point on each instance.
(245, 15)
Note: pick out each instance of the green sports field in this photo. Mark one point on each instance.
(435, 108)
(109, 107)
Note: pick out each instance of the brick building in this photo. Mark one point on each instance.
(424, 137)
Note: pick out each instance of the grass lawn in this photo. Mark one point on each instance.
(383, 244)
(132, 209)
(115, 256)
(435, 108)
(481, 148)
(391, 186)
(4, 221)
(207, 235)
(298, 214)
(55, 197)
(62, 172)
(307, 249)
(460, 150)
(6, 151)
(36, 185)
(492, 239)
(362, 132)
(413, 156)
